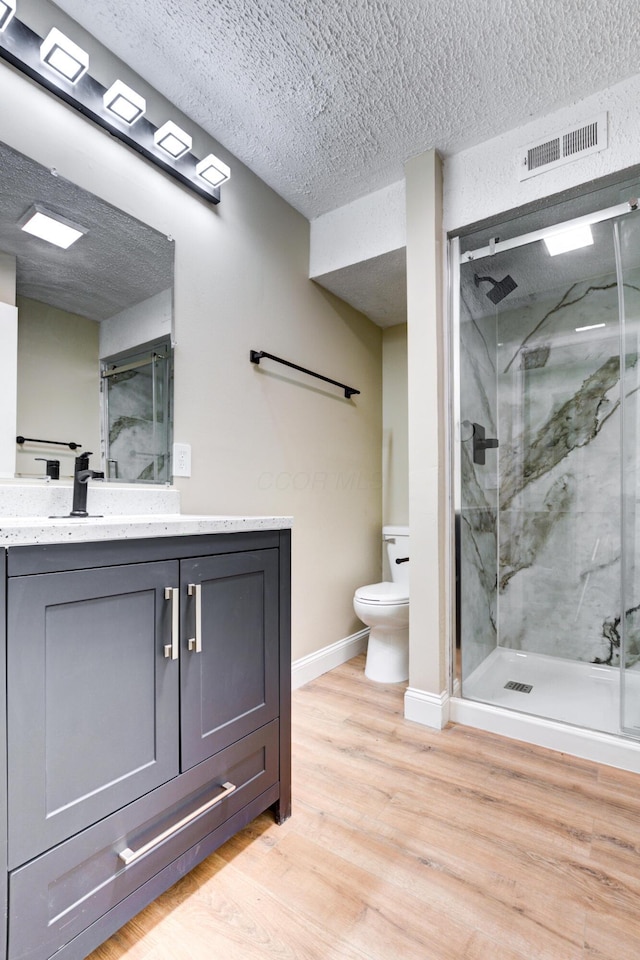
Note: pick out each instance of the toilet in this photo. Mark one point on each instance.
(384, 607)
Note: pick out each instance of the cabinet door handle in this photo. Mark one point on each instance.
(130, 856)
(173, 649)
(195, 643)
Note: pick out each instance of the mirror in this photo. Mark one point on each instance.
(108, 294)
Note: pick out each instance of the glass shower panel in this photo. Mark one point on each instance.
(540, 518)
(477, 521)
(627, 238)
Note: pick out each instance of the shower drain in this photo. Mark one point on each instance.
(520, 687)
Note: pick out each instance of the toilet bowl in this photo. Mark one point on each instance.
(384, 608)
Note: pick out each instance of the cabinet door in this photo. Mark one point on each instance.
(229, 658)
(92, 698)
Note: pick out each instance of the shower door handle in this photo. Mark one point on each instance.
(481, 444)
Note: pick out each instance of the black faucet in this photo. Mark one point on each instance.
(81, 477)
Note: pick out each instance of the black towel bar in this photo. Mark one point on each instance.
(56, 443)
(257, 355)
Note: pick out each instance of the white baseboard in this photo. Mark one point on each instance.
(315, 664)
(429, 709)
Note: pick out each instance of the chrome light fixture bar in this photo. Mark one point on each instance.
(112, 109)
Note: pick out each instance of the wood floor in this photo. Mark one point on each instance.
(411, 844)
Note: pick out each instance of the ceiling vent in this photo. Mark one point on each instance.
(572, 144)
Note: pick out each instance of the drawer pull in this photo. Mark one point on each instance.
(195, 643)
(173, 649)
(130, 856)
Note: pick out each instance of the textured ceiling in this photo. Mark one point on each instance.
(326, 99)
(377, 287)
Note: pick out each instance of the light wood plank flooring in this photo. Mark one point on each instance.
(411, 844)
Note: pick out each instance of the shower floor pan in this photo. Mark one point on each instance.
(584, 694)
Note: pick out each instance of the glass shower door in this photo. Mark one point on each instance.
(627, 242)
(137, 411)
(539, 515)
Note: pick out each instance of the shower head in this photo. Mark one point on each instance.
(500, 288)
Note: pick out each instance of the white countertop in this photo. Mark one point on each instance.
(15, 531)
(33, 512)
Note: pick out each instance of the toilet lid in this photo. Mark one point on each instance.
(384, 593)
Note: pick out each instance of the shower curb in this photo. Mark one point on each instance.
(591, 745)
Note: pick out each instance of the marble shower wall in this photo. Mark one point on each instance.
(560, 462)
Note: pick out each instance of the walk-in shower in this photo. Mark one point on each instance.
(546, 468)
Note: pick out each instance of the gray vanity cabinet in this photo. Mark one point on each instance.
(148, 719)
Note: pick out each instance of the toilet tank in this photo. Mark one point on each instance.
(396, 546)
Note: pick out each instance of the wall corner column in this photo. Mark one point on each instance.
(426, 699)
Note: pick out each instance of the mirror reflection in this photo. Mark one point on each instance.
(94, 328)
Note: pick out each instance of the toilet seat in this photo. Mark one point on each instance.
(383, 593)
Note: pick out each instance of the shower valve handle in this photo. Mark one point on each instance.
(481, 444)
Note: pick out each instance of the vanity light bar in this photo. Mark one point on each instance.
(124, 102)
(7, 12)
(64, 56)
(117, 109)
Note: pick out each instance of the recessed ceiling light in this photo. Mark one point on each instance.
(64, 56)
(212, 170)
(124, 102)
(7, 11)
(48, 226)
(172, 140)
(571, 239)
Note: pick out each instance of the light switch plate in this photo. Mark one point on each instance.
(182, 459)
